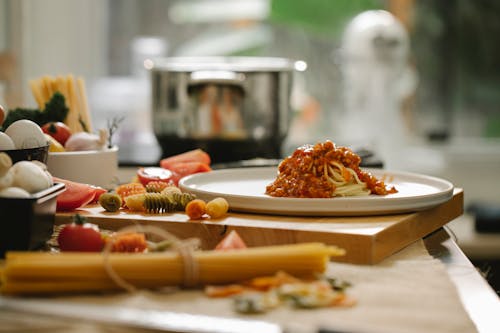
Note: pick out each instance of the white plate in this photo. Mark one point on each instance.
(244, 189)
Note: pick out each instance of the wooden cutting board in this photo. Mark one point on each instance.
(366, 239)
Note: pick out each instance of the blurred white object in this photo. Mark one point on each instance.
(219, 11)
(128, 97)
(375, 49)
(144, 48)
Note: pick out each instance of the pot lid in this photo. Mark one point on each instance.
(240, 64)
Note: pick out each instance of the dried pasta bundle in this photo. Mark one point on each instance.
(73, 88)
(41, 273)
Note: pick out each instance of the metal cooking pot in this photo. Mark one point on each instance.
(235, 108)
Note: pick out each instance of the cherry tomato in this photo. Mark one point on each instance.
(150, 174)
(75, 196)
(231, 241)
(58, 130)
(80, 236)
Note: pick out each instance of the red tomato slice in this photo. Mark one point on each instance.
(97, 192)
(231, 242)
(76, 195)
(196, 155)
(183, 169)
(150, 174)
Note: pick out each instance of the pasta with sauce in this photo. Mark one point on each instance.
(324, 171)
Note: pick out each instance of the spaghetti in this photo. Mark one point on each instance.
(324, 171)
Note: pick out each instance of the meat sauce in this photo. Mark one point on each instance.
(302, 174)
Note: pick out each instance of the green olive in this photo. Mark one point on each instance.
(111, 202)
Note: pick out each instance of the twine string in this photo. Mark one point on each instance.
(184, 248)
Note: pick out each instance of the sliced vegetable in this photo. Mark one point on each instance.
(98, 191)
(231, 241)
(183, 169)
(150, 174)
(75, 196)
(196, 155)
(80, 236)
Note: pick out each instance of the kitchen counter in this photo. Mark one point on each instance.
(480, 301)
(475, 299)
(476, 245)
(436, 266)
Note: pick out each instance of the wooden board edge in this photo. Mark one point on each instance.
(412, 226)
(358, 247)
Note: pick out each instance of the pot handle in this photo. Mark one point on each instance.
(216, 76)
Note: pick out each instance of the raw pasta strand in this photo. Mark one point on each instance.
(75, 95)
(37, 94)
(84, 107)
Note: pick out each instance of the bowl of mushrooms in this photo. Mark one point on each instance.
(28, 199)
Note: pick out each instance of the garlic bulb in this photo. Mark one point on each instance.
(87, 141)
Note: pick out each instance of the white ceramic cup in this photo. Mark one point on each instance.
(94, 167)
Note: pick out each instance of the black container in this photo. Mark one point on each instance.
(29, 154)
(27, 223)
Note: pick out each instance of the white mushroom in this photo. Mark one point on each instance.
(5, 163)
(7, 179)
(26, 134)
(6, 142)
(14, 192)
(6, 175)
(31, 177)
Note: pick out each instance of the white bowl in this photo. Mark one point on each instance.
(94, 167)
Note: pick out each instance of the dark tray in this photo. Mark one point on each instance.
(27, 223)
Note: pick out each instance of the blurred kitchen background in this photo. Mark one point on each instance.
(419, 87)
